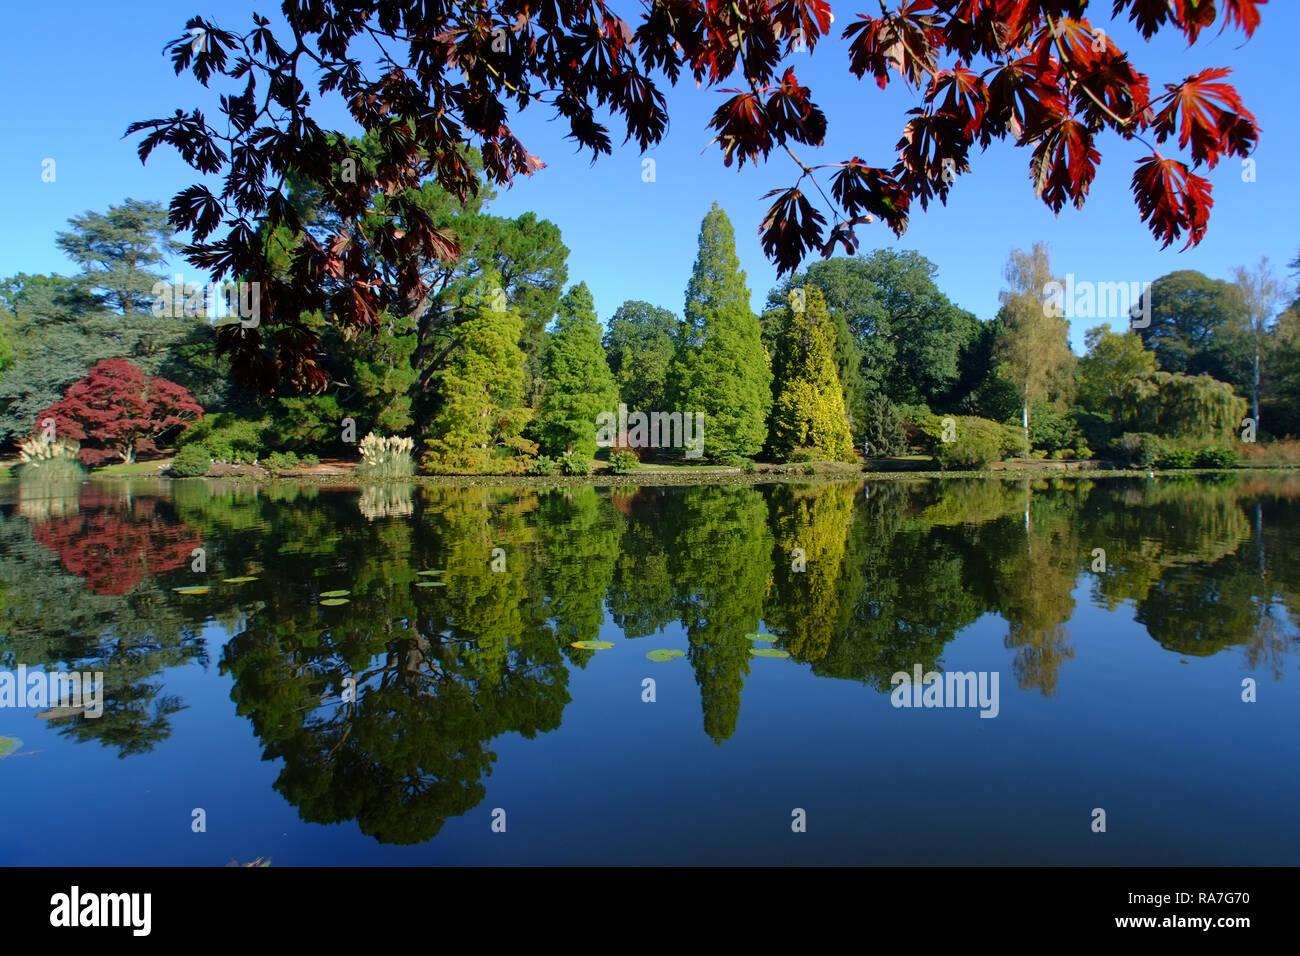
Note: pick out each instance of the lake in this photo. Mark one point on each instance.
(322, 675)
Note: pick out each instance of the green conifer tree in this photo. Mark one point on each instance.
(578, 382)
(721, 367)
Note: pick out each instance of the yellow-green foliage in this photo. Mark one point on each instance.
(809, 411)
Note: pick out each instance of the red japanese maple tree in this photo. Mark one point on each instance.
(432, 77)
(115, 406)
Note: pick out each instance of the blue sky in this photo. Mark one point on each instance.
(77, 77)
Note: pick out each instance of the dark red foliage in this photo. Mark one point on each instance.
(113, 549)
(115, 407)
(433, 78)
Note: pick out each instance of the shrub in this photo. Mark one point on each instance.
(543, 466)
(1172, 456)
(802, 455)
(1136, 450)
(575, 464)
(310, 460)
(978, 443)
(285, 460)
(192, 461)
(1013, 441)
(386, 456)
(1051, 429)
(622, 462)
(1217, 457)
(884, 427)
(228, 437)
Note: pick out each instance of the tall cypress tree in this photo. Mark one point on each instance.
(579, 384)
(809, 408)
(721, 367)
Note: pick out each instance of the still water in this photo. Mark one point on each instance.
(387, 675)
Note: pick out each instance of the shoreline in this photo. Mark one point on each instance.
(795, 474)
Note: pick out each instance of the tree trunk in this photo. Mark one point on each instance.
(1024, 415)
(1254, 398)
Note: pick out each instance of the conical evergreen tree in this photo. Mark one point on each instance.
(579, 384)
(809, 408)
(482, 412)
(721, 367)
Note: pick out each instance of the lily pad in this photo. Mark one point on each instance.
(431, 572)
(333, 602)
(593, 645)
(244, 579)
(768, 652)
(430, 584)
(8, 745)
(761, 636)
(334, 594)
(194, 589)
(664, 654)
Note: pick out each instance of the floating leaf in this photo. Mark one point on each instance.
(8, 745)
(240, 580)
(333, 602)
(430, 572)
(664, 654)
(593, 645)
(55, 713)
(768, 652)
(430, 584)
(334, 594)
(194, 589)
(761, 636)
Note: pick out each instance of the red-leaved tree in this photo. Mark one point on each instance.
(115, 406)
(433, 77)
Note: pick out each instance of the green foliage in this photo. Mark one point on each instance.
(479, 425)
(1033, 346)
(282, 461)
(542, 466)
(1175, 456)
(573, 464)
(623, 462)
(118, 250)
(1052, 429)
(579, 384)
(1136, 449)
(809, 407)
(1193, 406)
(229, 437)
(1217, 457)
(884, 427)
(978, 443)
(1191, 324)
(720, 367)
(640, 343)
(909, 336)
(192, 461)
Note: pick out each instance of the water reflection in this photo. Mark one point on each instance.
(462, 605)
